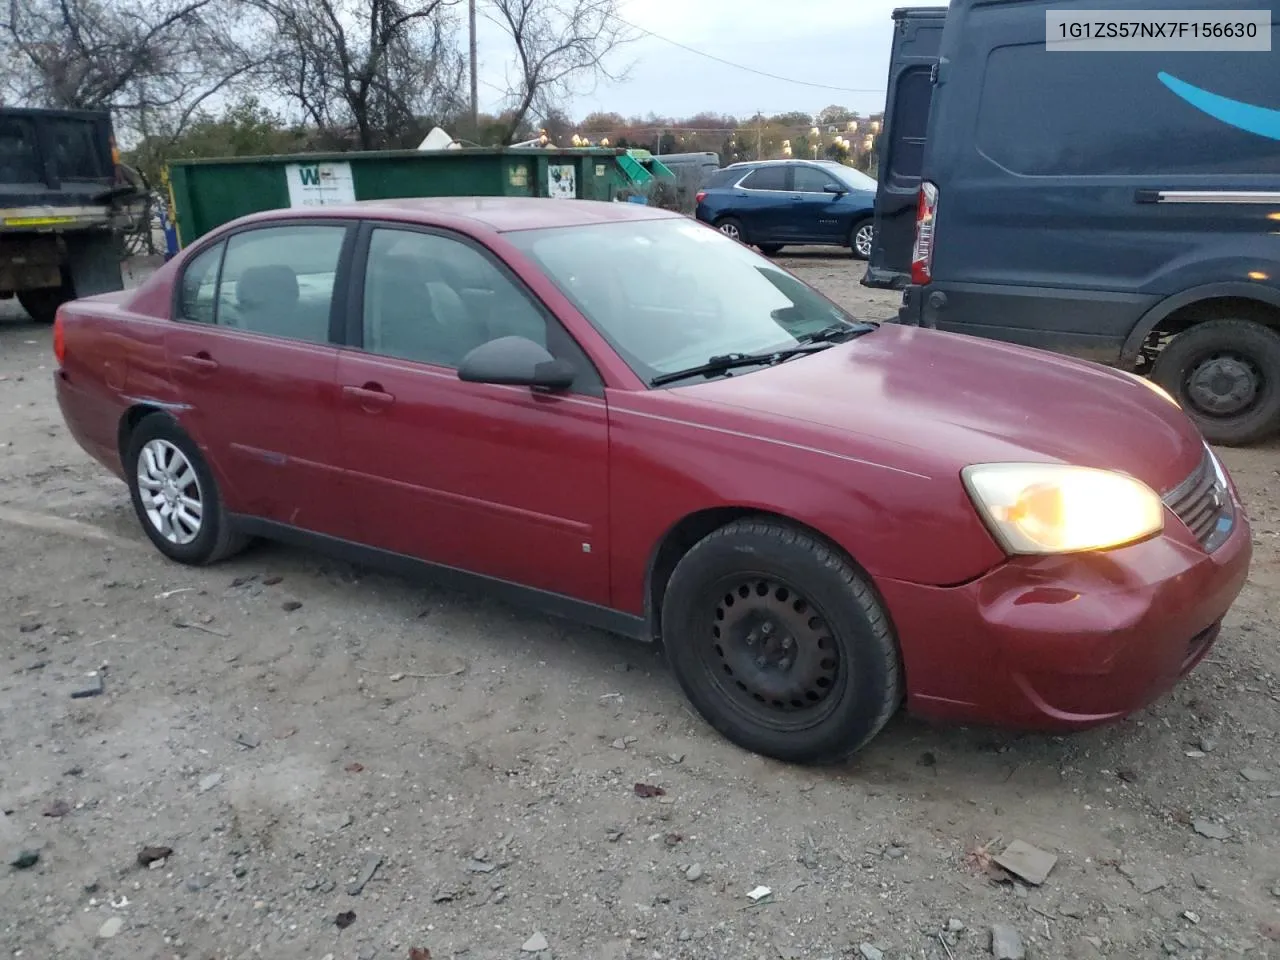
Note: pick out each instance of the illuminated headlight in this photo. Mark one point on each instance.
(1153, 387)
(1041, 508)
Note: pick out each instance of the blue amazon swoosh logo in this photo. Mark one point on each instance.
(1263, 121)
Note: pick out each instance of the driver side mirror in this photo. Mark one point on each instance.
(516, 361)
(835, 188)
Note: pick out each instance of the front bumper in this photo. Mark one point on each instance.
(1066, 643)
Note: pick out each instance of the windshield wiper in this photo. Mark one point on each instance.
(730, 361)
(839, 331)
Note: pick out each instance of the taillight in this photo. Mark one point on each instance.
(699, 196)
(59, 338)
(926, 220)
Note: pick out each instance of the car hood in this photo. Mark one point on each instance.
(936, 402)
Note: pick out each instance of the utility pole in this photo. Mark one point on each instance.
(759, 135)
(475, 80)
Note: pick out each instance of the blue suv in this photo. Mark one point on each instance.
(775, 203)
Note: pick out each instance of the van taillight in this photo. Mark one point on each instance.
(699, 196)
(926, 219)
(59, 338)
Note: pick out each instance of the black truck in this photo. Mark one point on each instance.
(66, 205)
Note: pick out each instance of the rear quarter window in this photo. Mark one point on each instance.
(724, 178)
(1103, 114)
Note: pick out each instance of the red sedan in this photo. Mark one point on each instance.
(621, 416)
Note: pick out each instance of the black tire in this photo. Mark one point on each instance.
(42, 303)
(216, 539)
(1198, 364)
(732, 227)
(867, 223)
(842, 649)
(770, 249)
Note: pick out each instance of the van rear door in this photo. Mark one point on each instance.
(917, 33)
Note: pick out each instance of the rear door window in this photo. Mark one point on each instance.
(767, 178)
(279, 281)
(910, 121)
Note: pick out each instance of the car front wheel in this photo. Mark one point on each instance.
(175, 496)
(780, 643)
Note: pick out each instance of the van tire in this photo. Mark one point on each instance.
(802, 606)
(1230, 349)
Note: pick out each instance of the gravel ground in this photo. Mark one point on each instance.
(281, 724)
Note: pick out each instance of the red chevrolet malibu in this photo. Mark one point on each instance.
(618, 415)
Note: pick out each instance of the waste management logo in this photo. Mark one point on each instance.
(319, 184)
(1263, 121)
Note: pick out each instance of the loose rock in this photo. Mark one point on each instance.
(1211, 830)
(535, 944)
(694, 873)
(869, 952)
(1254, 775)
(371, 865)
(110, 928)
(209, 782)
(1030, 863)
(1006, 943)
(25, 860)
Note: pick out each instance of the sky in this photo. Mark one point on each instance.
(833, 43)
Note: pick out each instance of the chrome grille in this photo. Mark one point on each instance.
(1203, 503)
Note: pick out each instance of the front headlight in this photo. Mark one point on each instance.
(1041, 508)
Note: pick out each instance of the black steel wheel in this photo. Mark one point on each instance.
(780, 643)
(1226, 375)
(770, 652)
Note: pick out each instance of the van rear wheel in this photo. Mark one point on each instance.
(1226, 375)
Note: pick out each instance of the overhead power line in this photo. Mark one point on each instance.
(743, 67)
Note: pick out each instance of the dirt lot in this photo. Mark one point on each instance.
(283, 722)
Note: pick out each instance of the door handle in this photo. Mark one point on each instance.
(201, 361)
(370, 396)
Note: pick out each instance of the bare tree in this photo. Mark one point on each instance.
(367, 69)
(152, 62)
(558, 44)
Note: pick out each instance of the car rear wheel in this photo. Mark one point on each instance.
(175, 496)
(861, 238)
(780, 643)
(1226, 375)
(732, 228)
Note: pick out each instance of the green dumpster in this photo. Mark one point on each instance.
(208, 193)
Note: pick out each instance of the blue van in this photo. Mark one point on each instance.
(1122, 207)
(917, 34)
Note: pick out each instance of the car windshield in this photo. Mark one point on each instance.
(852, 178)
(672, 294)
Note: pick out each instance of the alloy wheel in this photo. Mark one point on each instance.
(170, 492)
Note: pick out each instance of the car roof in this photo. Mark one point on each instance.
(499, 214)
